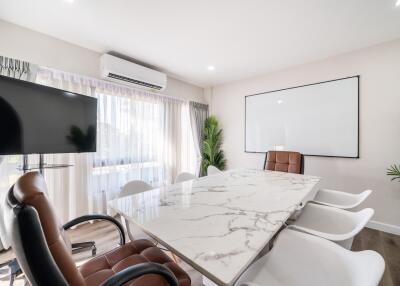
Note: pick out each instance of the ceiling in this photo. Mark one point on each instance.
(239, 38)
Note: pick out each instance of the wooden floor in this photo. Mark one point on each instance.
(106, 238)
(388, 245)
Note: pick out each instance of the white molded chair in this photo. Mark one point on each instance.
(211, 170)
(301, 259)
(341, 200)
(184, 176)
(331, 223)
(132, 188)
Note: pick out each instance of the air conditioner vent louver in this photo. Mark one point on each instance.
(138, 82)
(125, 72)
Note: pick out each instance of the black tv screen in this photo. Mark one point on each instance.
(37, 119)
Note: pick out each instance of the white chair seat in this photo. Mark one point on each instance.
(211, 170)
(300, 259)
(330, 223)
(184, 176)
(341, 200)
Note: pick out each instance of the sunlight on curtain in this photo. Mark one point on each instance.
(140, 135)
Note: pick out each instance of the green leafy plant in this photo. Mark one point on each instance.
(211, 149)
(394, 171)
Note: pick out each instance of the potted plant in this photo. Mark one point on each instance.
(394, 172)
(211, 149)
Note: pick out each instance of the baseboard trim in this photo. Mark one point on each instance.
(390, 228)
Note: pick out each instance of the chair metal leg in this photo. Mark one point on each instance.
(15, 269)
(12, 279)
(128, 229)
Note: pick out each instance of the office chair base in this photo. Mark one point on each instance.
(15, 269)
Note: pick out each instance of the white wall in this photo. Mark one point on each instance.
(379, 68)
(24, 44)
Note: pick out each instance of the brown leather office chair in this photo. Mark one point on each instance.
(284, 161)
(44, 251)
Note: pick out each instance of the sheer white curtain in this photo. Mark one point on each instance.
(140, 135)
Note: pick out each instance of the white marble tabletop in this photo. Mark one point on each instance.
(220, 223)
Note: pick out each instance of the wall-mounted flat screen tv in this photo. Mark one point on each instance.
(37, 119)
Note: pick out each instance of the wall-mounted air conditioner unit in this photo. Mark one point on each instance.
(122, 71)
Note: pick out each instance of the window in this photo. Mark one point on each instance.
(141, 136)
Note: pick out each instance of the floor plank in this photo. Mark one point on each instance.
(391, 245)
(373, 240)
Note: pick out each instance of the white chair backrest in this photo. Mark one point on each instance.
(332, 223)
(211, 170)
(305, 260)
(340, 199)
(134, 187)
(184, 176)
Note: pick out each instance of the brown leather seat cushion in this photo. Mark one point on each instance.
(283, 161)
(98, 269)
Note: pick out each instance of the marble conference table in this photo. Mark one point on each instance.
(219, 224)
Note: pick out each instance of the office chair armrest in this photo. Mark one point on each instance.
(84, 218)
(135, 271)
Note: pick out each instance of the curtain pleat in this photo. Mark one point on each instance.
(198, 115)
(17, 69)
(140, 138)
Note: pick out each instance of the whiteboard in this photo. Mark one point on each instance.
(318, 119)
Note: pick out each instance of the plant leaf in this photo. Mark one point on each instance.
(394, 171)
(212, 143)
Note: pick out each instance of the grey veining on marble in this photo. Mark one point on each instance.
(219, 223)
